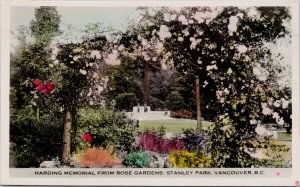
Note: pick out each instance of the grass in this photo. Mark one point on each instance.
(284, 136)
(172, 125)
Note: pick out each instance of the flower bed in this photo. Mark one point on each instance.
(185, 114)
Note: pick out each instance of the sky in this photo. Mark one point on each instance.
(117, 17)
(78, 17)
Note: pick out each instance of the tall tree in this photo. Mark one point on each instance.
(46, 24)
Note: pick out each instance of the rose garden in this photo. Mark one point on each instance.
(193, 87)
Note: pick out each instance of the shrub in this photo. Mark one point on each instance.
(185, 159)
(152, 141)
(137, 160)
(175, 101)
(125, 101)
(96, 157)
(195, 140)
(182, 114)
(37, 137)
(106, 128)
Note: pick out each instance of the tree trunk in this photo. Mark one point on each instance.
(67, 137)
(199, 125)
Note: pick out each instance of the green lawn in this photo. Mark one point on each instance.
(284, 136)
(171, 125)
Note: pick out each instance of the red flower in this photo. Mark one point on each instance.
(87, 137)
(44, 91)
(49, 86)
(40, 87)
(36, 82)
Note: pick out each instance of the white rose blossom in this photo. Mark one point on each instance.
(276, 103)
(219, 94)
(205, 84)
(253, 122)
(76, 57)
(232, 26)
(285, 103)
(53, 57)
(147, 58)
(226, 91)
(55, 50)
(95, 54)
(275, 115)
(164, 66)
(261, 130)
(229, 71)
(253, 13)
(198, 16)
(192, 39)
(121, 47)
(173, 17)
(242, 49)
(183, 19)
(194, 42)
(100, 89)
(82, 71)
(280, 121)
(266, 110)
(95, 75)
(159, 47)
(164, 32)
(211, 67)
(144, 42)
(139, 38)
(180, 39)
(270, 101)
(55, 62)
(153, 32)
(206, 16)
(185, 32)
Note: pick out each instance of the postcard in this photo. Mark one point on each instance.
(159, 93)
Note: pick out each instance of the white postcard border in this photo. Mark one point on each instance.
(5, 51)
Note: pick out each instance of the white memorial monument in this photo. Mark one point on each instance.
(145, 113)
